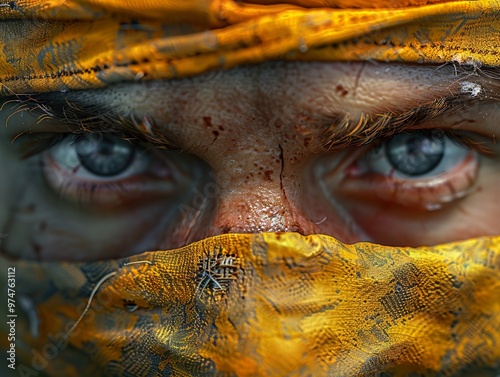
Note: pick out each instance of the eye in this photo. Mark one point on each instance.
(424, 169)
(417, 155)
(105, 156)
(420, 187)
(105, 170)
(98, 157)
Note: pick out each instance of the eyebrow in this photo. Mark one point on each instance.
(80, 117)
(339, 131)
(345, 131)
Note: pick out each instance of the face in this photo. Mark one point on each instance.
(394, 154)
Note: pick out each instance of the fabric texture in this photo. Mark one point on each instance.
(80, 44)
(238, 304)
(268, 305)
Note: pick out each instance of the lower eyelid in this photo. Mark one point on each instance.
(430, 194)
(140, 188)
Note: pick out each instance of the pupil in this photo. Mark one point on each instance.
(416, 153)
(104, 156)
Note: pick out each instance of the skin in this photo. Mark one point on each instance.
(251, 158)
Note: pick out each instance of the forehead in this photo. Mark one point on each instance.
(315, 88)
(273, 98)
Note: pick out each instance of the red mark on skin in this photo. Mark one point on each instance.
(341, 90)
(207, 122)
(268, 174)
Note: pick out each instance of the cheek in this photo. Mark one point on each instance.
(385, 221)
(42, 225)
(390, 224)
(45, 230)
(44, 233)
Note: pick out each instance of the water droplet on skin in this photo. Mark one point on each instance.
(433, 206)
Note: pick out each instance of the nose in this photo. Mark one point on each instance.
(256, 195)
(271, 195)
(264, 183)
(255, 209)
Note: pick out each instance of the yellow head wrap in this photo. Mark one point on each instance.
(251, 305)
(80, 44)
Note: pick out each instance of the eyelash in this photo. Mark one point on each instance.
(97, 193)
(473, 141)
(41, 142)
(100, 192)
(35, 144)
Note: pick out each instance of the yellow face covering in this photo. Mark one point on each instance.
(250, 305)
(267, 305)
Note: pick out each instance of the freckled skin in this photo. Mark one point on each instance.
(269, 114)
(258, 130)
